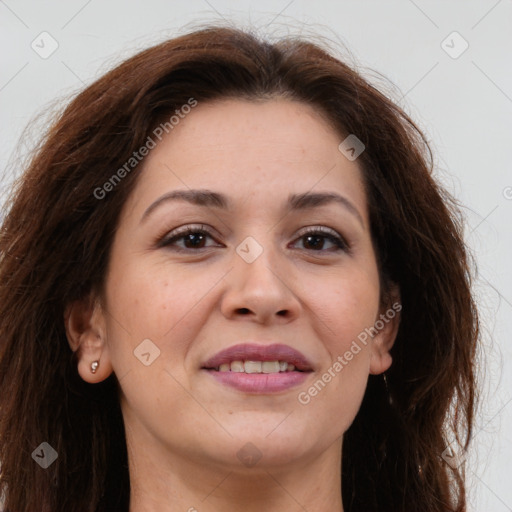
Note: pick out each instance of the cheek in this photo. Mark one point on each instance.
(338, 389)
(166, 307)
(152, 301)
(156, 302)
(344, 306)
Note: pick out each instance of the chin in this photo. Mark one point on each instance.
(273, 449)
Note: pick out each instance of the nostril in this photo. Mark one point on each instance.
(244, 311)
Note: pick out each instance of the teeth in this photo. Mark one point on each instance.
(270, 367)
(257, 367)
(252, 366)
(236, 366)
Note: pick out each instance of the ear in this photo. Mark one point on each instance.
(386, 327)
(86, 332)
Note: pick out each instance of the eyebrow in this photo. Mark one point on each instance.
(209, 198)
(315, 200)
(206, 198)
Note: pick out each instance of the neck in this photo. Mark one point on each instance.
(176, 482)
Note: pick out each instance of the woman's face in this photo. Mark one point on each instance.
(278, 260)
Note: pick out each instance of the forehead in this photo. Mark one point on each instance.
(257, 149)
(242, 129)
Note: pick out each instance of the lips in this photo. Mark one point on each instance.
(230, 358)
(259, 369)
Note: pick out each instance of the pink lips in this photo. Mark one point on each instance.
(260, 382)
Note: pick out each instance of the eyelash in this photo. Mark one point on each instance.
(325, 232)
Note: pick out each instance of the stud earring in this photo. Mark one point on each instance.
(94, 366)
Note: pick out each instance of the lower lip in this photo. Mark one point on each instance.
(260, 382)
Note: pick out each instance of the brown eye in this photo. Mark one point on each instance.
(322, 240)
(189, 238)
(194, 240)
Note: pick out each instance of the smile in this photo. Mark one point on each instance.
(256, 367)
(259, 369)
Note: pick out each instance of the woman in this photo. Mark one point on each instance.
(229, 280)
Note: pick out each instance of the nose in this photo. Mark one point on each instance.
(260, 291)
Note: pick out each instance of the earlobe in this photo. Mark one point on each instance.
(86, 333)
(380, 363)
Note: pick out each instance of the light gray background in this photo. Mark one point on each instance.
(463, 104)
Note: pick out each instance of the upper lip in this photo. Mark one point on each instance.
(256, 352)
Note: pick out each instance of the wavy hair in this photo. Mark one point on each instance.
(55, 243)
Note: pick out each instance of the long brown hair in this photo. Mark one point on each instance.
(55, 243)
